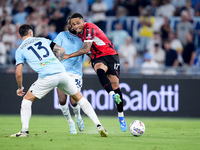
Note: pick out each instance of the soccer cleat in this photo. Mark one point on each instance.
(20, 134)
(116, 98)
(123, 125)
(72, 128)
(80, 124)
(102, 131)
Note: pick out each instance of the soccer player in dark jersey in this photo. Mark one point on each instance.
(104, 59)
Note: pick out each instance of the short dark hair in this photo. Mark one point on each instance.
(69, 18)
(24, 29)
(76, 15)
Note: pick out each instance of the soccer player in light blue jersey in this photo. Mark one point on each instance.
(71, 43)
(37, 52)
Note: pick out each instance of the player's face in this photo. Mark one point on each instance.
(77, 24)
(69, 26)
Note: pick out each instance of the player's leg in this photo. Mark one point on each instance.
(65, 110)
(37, 90)
(77, 111)
(25, 112)
(101, 70)
(76, 108)
(113, 76)
(88, 110)
(115, 85)
(68, 87)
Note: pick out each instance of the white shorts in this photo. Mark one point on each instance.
(78, 81)
(62, 81)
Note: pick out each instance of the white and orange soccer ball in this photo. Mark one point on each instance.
(137, 128)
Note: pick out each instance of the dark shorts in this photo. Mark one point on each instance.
(111, 61)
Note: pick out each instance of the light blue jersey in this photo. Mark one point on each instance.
(38, 54)
(71, 44)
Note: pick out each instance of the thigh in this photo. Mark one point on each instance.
(30, 96)
(99, 63)
(42, 86)
(100, 66)
(67, 85)
(113, 65)
(77, 79)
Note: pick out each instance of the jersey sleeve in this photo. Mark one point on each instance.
(48, 41)
(19, 57)
(90, 34)
(58, 39)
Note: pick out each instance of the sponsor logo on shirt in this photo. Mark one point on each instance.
(47, 62)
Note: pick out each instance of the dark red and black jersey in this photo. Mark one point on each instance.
(101, 45)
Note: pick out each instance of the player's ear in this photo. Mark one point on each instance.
(83, 21)
(30, 33)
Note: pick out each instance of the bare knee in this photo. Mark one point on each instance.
(29, 96)
(100, 66)
(77, 96)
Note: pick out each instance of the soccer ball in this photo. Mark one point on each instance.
(137, 128)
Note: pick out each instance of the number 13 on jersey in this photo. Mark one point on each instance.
(39, 47)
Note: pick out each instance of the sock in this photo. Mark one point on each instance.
(88, 110)
(120, 105)
(120, 114)
(66, 113)
(25, 114)
(111, 93)
(77, 111)
(105, 82)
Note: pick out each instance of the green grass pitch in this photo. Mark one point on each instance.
(52, 133)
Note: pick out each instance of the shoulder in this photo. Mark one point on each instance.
(18, 51)
(189, 24)
(63, 33)
(133, 47)
(45, 39)
(124, 32)
(89, 25)
(39, 38)
(161, 50)
(152, 19)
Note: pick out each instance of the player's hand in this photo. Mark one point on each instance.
(65, 56)
(20, 91)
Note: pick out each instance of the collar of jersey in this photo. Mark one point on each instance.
(72, 34)
(26, 39)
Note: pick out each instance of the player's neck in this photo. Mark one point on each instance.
(25, 37)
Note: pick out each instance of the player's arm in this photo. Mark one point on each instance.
(84, 50)
(57, 50)
(18, 76)
(192, 58)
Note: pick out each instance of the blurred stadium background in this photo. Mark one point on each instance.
(153, 82)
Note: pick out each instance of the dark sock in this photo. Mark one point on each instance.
(120, 105)
(105, 82)
(98, 125)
